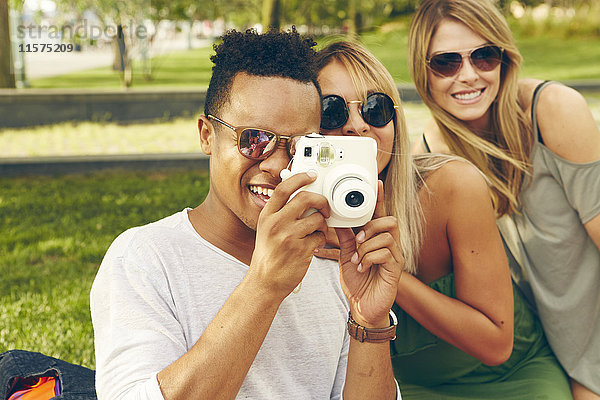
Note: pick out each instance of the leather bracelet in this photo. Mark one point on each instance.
(372, 335)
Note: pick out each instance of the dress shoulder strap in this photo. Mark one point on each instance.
(425, 144)
(534, 101)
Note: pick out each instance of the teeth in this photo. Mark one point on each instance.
(261, 190)
(467, 96)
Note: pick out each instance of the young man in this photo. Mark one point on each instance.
(201, 305)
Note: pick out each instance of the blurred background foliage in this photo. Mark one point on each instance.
(568, 17)
(547, 19)
(368, 14)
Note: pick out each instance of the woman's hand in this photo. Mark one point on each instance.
(371, 265)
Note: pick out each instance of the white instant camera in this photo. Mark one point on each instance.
(346, 168)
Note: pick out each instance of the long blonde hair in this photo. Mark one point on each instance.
(504, 156)
(367, 73)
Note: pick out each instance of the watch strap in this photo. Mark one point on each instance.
(372, 335)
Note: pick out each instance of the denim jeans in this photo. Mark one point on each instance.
(77, 382)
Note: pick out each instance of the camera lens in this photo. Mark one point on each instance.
(355, 199)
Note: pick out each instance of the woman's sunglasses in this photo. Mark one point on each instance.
(257, 143)
(484, 58)
(378, 110)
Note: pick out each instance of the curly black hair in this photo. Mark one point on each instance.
(275, 53)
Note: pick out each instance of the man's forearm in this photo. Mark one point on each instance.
(369, 374)
(217, 364)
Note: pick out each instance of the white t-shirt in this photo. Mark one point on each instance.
(160, 286)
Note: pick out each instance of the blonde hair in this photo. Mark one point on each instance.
(367, 74)
(504, 155)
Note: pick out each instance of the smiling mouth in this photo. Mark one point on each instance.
(469, 95)
(262, 192)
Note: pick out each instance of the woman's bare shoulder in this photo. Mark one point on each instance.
(434, 138)
(526, 88)
(456, 179)
(567, 125)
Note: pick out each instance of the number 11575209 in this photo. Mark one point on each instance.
(46, 48)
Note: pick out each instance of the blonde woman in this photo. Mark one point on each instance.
(539, 146)
(457, 310)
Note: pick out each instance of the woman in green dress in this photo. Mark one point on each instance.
(464, 331)
(539, 146)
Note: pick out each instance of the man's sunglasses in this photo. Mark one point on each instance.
(257, 143)
(378, 110)
(484, 58)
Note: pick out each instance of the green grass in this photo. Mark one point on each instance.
(561, 60)
(184, 69)
(177, 136)
(87, 138)
(574, 58)
(55, 231)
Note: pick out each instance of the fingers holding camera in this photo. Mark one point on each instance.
(371, 288)
(331, 250)
(287, 236)
(379, 233)
(382, 248)
(286, 188)
(303, 215)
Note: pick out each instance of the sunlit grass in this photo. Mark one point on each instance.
(184, 69)
(573, 58)
(87, 138)
(55, 232)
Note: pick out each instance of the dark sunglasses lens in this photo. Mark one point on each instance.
(334, 113)
(378, 110)
(446, 64)
(486, 58)
(256, 143)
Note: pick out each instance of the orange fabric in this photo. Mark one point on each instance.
(43, 388)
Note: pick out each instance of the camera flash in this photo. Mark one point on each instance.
(326, 154)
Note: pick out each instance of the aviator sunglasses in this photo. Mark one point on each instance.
(484, 58)
(378, 110)
(257, 143)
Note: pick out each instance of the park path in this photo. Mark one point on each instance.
(47, 64)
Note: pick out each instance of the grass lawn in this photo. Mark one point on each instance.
(191, 68)
(55, 233)
(176, 136)
(94, 138)
(555, 58)
(87, 138)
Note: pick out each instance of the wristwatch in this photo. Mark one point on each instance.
(372, 335)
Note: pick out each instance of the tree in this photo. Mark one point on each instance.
(271, 16)
(118, 16)
(7, 78)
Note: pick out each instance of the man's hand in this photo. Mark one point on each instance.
(332, 251)
(286, 241)
(371, 264)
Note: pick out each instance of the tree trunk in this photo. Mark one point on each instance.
(271, 17)
(7, 77)
(121, 60)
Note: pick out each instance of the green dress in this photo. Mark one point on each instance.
(427, 367)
